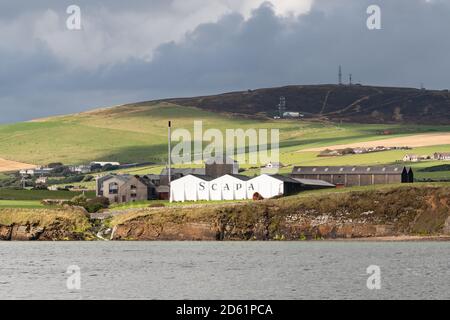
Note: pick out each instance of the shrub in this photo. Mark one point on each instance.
(88, 178)
(80, 201)
(96, 204)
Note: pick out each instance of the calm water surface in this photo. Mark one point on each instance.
(212, 270)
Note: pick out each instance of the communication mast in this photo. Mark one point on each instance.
(282, 106)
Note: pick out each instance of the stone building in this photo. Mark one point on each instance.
(125, 188)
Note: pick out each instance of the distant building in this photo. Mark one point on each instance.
(441, 156)
(38, 171)
(219, 166)
(274, 165)
(82, 169)
(102, 164)
(125, 188)
(291, 114)
(41, 181)
(356, 176)
(411, 158)
(415, 158)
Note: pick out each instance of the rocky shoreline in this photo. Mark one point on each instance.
(401, 214)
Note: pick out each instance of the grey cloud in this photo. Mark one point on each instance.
(234, 53)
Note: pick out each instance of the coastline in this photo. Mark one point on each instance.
(401, 214)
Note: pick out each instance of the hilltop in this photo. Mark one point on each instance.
(336, 103)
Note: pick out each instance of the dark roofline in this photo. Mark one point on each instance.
(283, 178)
(389, 169)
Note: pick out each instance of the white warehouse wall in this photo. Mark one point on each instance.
(266, 186)
(228, 187)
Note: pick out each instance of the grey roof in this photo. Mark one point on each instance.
(153, 176)
(203, 176)
(183, 171)
(350, 170)
(200, 176)
(311, 182)
(283, 178)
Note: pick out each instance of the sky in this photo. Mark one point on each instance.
(138, 50)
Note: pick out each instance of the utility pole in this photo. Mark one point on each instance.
(340, 75)
(350, 79)
(169, 170)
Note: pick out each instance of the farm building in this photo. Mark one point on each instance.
(190, 188)
(442, 156)
(125, 188)
(415, 158)
(356, 176)
(177, 173)
(310, 184)
(229, 187)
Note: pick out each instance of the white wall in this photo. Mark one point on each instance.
(189, 188)
(266, 186)
(228, 188)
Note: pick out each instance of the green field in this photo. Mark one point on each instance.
(139, 134)
(23, 204)
(38, 195)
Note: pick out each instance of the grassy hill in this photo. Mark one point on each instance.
(138, 132)
(352, 104)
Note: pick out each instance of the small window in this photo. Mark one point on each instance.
(113, 188)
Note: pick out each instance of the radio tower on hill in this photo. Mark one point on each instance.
(282, 106)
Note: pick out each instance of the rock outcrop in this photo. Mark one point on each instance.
(402, 211)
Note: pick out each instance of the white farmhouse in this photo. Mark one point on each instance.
(229, 187)
(190, 188)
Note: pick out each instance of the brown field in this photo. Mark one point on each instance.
(7, 165)
(420, 140)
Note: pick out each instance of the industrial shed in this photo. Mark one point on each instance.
(356, 176)
(229, 187)
(269, 186)
(190, 188)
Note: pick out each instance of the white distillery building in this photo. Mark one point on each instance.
(229, 187)
(190, 188)
(232, 187)
(269, 186)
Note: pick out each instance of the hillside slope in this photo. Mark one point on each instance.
(138, 132)
(357, 104)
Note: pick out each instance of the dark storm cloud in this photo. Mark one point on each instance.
(236, 53)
